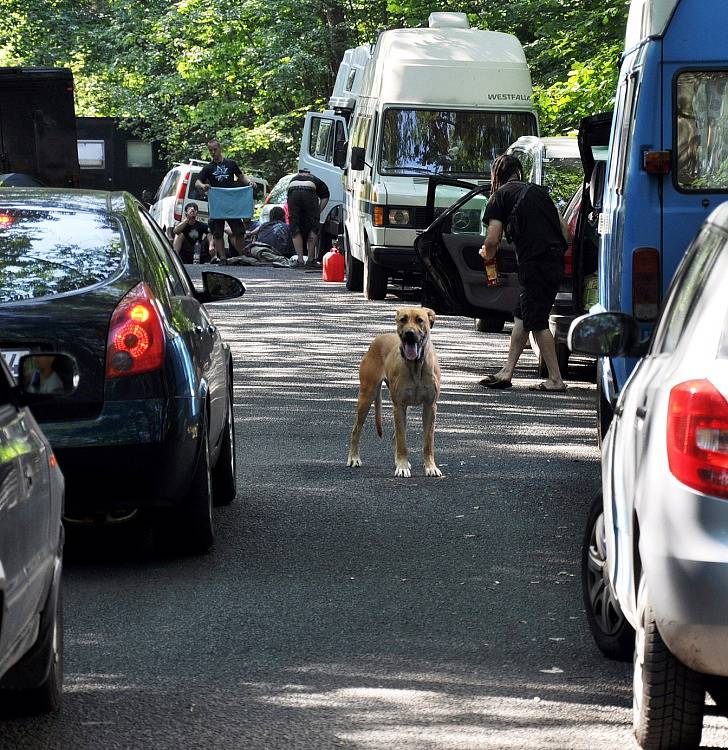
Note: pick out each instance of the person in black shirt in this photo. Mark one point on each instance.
(307, 197)
(531, 221)
(223, 173)
(188, 233)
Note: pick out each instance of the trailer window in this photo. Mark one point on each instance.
(417, 141)
(45, 251)
(91, 154)
(138, 154)
(701, 130)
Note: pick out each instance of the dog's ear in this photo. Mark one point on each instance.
(397, 313)
(430, 316)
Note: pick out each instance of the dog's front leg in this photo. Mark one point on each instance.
(401, 464)
(429, 412)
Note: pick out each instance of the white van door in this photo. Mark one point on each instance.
(321, 132)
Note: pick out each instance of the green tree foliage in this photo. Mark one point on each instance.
(248, 70)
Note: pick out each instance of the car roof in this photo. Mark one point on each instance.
(69, 200)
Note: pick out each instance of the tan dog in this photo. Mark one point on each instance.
(407, 363)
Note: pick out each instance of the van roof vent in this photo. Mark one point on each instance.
(448, 21)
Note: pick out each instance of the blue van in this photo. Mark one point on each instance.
(668, 161)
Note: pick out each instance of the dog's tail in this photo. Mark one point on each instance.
(378, 410)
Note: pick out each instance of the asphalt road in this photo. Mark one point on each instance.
(345, 608)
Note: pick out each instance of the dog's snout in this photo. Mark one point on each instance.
(410, 336)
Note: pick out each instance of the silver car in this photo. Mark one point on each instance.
(655, 556)
(31, 535)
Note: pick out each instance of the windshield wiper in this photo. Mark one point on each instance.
(417, 170)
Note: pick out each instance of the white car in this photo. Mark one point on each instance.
(655, 557)
(178, 189)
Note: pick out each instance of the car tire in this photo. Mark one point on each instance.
(375, 277)
(489, 324)
(188, 528)
(46, 658)
(610, 629)
(354, 269)
(668, 699)
(224, 474)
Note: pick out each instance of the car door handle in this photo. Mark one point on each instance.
(641, 412)
(212, 330)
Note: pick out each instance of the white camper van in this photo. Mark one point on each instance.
(445, 100)
(323, 130)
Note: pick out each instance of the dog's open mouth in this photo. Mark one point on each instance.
(411, 350)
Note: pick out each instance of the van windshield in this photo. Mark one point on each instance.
(418, 141)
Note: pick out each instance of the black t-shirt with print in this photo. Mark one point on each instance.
(539, 227)
(221, 174)
(194, 232)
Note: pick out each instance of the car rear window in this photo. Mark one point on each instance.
(48, 251)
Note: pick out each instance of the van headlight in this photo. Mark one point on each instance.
(398, 217)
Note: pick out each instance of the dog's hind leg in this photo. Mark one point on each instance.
(366, 396)
(378, 410)
(429, 412)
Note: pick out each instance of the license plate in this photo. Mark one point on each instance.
(12, 359)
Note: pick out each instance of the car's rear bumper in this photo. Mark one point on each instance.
(402, 259)
(135, 454)
(684, 553)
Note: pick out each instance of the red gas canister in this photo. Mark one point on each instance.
(334, 266)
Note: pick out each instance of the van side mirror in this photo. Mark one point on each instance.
(45, 375)
(357, 158)
(340, 150)
(606, 334)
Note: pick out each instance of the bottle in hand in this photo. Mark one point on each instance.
(491, 272)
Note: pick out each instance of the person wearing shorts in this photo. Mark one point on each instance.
(223, 173)
(531, 221)
(307, 197)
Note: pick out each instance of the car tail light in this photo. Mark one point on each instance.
(697, 437)
(645, 283)
(136, 338)
(569, 260)
(179, 202)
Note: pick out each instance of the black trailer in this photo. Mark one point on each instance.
(113, 158)
(38, 125)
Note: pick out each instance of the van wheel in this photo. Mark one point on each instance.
(605, 413)
(668, 700)
(490, 324)
(375, 277)
(354, 268)
(609, 627)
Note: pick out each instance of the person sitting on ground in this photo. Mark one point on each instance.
(188, 233)
(275, 233)
(532, 223)
(307, 197)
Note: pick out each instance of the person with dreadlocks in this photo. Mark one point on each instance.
(531, 221)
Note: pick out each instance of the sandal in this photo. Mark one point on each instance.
(545, 389)
(494, 383)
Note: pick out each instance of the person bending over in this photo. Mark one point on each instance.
(307, 197)
(531, 221)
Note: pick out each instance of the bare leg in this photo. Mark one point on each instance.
(429, 411)
(519, 338)
(402, 465)
(219, 243)
(238, 241)
(545, 341)
(298, 245)
(311, 247)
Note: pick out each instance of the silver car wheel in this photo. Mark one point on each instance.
(606, 611)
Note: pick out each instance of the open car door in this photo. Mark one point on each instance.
(454, 280)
